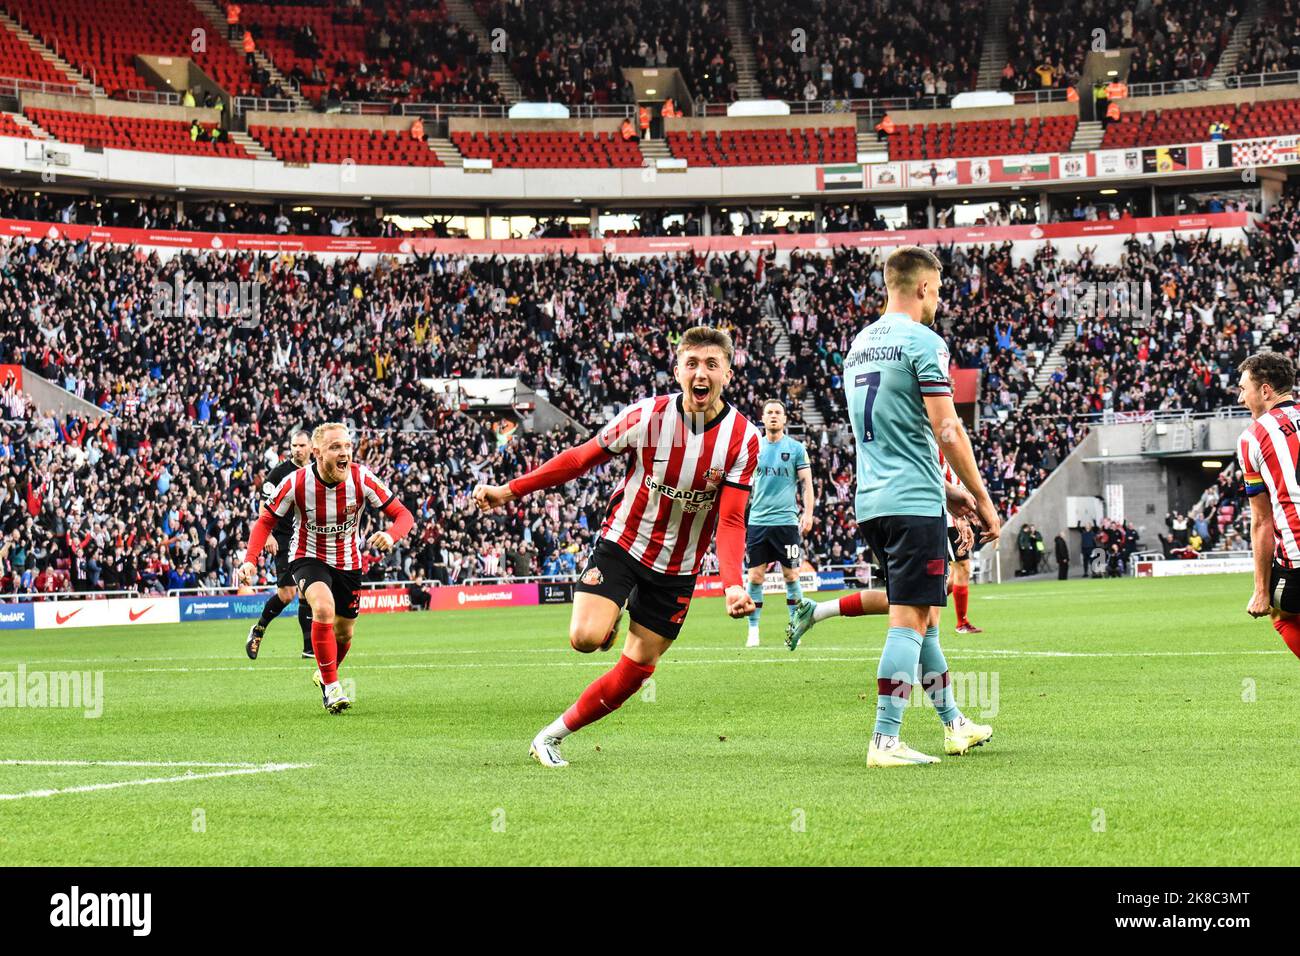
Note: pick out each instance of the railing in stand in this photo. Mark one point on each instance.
(154, 97)
(1249, 80)
(13, 86)
(262, 104)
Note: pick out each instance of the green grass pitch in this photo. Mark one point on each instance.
(1137, 722)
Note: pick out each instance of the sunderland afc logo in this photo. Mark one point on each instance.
(713, 477)
(592, 577)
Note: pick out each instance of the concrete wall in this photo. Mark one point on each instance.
(54, 398)
(1114, 455)
(1046, 507)
(105, 107)
(815, 121)
(1259, 94)
(913, 117)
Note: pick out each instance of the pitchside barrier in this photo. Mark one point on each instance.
(1153, 564)
(81, 609)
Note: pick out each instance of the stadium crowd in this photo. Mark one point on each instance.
(865, 49)
(205, 393)
(1048, 40)
(572, 51)
(1274, 42)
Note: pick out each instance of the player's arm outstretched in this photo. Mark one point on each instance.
(567, 465)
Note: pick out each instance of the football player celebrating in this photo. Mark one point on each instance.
(690, 461)
(1269, 451)
(326, 500)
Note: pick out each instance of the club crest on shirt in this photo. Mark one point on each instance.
(713, 476)
(785, 456)
(592, 577)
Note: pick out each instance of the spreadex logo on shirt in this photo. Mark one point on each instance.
(343, 528)
(691, 500)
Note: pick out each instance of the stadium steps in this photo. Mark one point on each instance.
(812, 416)
(1053, 361)
(252, 146)
(653, 149)
(742, 50)
(993, 52)
(1237, 42)
(75, 76)
(21, 120)
(463, 12)
(447, 153)
(1087, 135)
(217, 17)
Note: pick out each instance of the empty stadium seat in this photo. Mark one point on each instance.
(561, 150)
(765, 147)
(996, 137)
(8, 127)
(366, 147)
(127, 132)
(1191, 124)
(102, 39)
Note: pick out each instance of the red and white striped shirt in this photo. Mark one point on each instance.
(664, 512)
(326, 518)
(949, 475)
(1269, 452)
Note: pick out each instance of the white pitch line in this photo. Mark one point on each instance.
(239, 771)
(481, 651)
(869, 657)
(123, 763)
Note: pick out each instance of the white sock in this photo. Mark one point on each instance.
(825, 609)
(329, 687)
(753, 629)
(556, 729)
(884, 741)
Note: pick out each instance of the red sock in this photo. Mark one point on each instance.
(851, 605)
(327, 650)
(343, 650)
(607, 693)
(960, 596)
(1289, 628)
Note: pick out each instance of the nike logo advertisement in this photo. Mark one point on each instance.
(136, 615)
(65, 618)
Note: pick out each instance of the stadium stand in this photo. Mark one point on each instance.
(1048, 40)
(1047, 134)
(1190, 124)
(764, 147)
(321, 144)
(128, 132)
(10, 127)
(100, 42)
(1274, 42)
(396, 50)
(20, 61)
(175, 476)
(570, 51)
(862, 49)
(571, 150)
